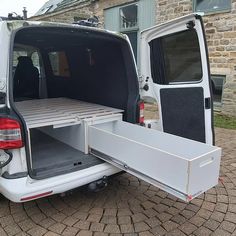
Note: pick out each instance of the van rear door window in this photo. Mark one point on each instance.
(59, 64)
(176, 58)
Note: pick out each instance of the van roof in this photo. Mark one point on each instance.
(16, 24)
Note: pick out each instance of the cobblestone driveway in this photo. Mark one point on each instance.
(131, 207)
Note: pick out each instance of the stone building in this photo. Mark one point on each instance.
(220, 25)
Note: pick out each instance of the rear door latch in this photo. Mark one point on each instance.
(207, 103)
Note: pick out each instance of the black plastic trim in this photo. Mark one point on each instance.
(19, 175)
(7, 162)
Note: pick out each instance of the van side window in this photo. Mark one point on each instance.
(59, 64)
(34, 55)
(176, 58)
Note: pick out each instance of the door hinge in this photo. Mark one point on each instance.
(190, 25)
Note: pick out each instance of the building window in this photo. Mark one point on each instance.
(209, 6)
(217, 83)
(129, 24)
(129, 17)
(46, 9)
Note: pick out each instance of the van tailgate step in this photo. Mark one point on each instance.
(180, 166)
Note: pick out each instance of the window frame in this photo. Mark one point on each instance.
(212, 11)
(131, 29)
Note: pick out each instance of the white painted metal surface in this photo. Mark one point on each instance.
(60, 112)
(16, 189)
(180, 166)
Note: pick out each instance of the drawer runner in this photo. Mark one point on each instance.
(125, 167)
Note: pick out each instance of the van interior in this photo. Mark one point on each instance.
(60, 76)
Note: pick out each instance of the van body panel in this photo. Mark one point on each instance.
(23, 188)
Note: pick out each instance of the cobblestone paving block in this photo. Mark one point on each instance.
(170, 225)
(83, 225)
(158, 231)
(100, 234)
(220, 232)
(37, 231)
(97, 227)
(228, 226)
(85, 233)
(127, 228)
(112, 229)
(26, 225)
(12, 229)
(49, 233)
(70, 231)
(202, 231)
(57, 228)
(46, 223)
(175, 232)
(188, 228)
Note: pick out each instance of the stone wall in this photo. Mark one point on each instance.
(220, 32)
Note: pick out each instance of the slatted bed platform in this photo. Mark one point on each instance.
(60, 112)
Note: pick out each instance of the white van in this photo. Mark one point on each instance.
(71, 103)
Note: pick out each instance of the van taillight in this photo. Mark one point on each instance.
(10, 134)
(141, 112)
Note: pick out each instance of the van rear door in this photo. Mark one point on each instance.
(175, 72)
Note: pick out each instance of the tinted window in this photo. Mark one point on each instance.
(34, 55)
(217, 82)
(176, 58)
(59, 64)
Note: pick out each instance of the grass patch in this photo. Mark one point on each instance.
(223, 121)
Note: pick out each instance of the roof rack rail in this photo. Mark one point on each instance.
(14, 16)
(91, 22)
(11, 16)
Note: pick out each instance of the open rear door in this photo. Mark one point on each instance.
(175, 72)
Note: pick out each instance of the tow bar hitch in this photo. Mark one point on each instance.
(98, 185)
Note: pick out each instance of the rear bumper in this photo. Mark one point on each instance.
(26, 189)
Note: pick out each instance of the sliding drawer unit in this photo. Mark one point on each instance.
(56, 134)
(177, 165)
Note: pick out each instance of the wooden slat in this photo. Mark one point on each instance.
(59, 111)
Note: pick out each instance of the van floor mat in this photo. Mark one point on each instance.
(50, 157)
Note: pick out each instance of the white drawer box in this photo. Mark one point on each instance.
(177, 165)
